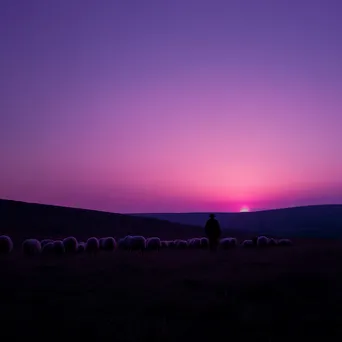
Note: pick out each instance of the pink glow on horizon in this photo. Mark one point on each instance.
(127, 111)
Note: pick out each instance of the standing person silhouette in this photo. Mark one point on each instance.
(213, 231)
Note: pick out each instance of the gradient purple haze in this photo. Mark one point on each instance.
(163, 106)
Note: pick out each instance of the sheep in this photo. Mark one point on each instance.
(153, 244)
(6, 244)
(272, 242)
(164, 244)
(172, 244)
(204, 243)
(194, 243)
(48, 248)
(136, 243)
(81, 247)
(45, 241)
(181, 244)
(58, 247)
(70, 244)
(227, 243)
(101, 241)
(31, 247)
(284, 242)
(262, 241)
(92, 245)
(248, 243)
(123, 243)
(108, 244)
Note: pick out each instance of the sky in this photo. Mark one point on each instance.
(171, 106)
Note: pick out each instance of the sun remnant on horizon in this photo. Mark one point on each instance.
(244, 210)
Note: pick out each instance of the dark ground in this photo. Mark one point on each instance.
(268, 295)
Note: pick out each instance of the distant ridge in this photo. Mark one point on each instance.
(23, 220)
(303, 221)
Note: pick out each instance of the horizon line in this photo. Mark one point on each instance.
(185, 212)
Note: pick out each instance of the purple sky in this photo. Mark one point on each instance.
(163, 106)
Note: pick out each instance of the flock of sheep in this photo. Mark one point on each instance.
(128, 243)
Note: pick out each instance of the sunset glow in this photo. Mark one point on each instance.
(134, 107)
(244, 210)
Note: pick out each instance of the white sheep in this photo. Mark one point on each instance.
(233, 241)
(6, 244)
(262, 241)
(136, 243)
(153, 244)
(272, 242)
(164, 244)
(248, 243)
(45, 241)
(194, 243)
(172, 244)
(92, 245)
(108, 244)
(123, 243)
(181, 244)
(285, 242)
(227, 243)
(204, 243)
(31, 247)
(101, 241)
(58, 247)
(48, 248)
(81, 247)
(70, 244)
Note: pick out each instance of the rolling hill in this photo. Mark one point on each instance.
(23, 220)
(310, 221)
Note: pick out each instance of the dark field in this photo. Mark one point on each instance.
(267, 295)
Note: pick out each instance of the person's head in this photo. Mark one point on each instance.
(212, 216)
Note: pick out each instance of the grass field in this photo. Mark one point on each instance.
(268, 295)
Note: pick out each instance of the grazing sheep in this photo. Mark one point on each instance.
(45, 241)
(70, 244)
(124, 242)
(190, 242)
(164, 244)
(227, 243)
(31, 247)
(101, 240)
(248, 244)
(272, 242)
(6, 244)
(58, 247)
(48, 249)
(108, 244)
(181, 244)
(153, 244)
(195, 243)
(136, 243)
(262, 241)
(92, 245)
(234, 242)
(172, 244)
(204, 243)
(285, 242)
(81, 247)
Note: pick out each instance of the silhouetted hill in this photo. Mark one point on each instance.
(308, 221)
(24, 220)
